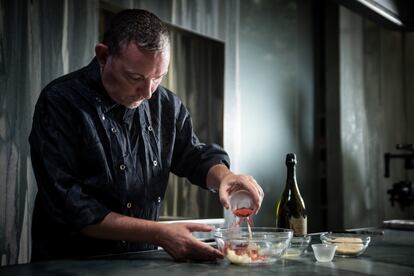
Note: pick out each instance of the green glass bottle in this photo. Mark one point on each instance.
(290, 209)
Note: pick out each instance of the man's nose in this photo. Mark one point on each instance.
(147, 89)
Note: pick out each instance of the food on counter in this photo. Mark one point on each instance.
(245, 255)
(298, 246)
(293, 252)
(348, 245)
(238, 259)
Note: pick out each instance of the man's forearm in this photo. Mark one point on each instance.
(175, 238)
(119, 227)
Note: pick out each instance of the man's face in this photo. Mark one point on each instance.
(133, 75)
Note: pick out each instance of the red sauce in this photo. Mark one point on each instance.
(243, 212)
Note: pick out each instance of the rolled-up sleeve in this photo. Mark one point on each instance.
(191, 158)
(55, 140)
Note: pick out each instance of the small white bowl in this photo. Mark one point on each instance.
(324, 252)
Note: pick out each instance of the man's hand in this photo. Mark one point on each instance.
(233, 182)
(177, 240)
(219, 176)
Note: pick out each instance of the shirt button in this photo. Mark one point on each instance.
(129, 205)
(122, 167)
(149, 128)
(103, 117)
(155, 163)
(113, 130)
(159, 199)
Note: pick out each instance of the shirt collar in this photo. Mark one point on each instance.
(99, 95)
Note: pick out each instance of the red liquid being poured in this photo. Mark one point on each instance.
(243, 212)
(243, 215)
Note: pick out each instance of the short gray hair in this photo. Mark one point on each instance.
(141, 27)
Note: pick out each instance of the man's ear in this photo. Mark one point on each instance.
(102, 53)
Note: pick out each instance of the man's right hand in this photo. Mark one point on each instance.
(177, 240)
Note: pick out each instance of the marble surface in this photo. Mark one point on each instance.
(390, 254)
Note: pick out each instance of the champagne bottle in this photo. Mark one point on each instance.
(290, 210)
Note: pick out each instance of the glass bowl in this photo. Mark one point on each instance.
(298, 246)
(348, 244)
(266, 245)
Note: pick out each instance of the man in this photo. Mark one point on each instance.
(103, 142)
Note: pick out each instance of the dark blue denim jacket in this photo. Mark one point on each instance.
(92, 156)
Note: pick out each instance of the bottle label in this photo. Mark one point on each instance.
(299, 225)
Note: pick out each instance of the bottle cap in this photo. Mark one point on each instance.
(291, 159)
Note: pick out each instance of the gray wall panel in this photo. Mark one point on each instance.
(276, 100)
(375, 104)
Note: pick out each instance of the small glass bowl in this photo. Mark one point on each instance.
(348, 244)
(324, 252)
(298, 246)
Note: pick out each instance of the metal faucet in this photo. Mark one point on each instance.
(403, 191)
